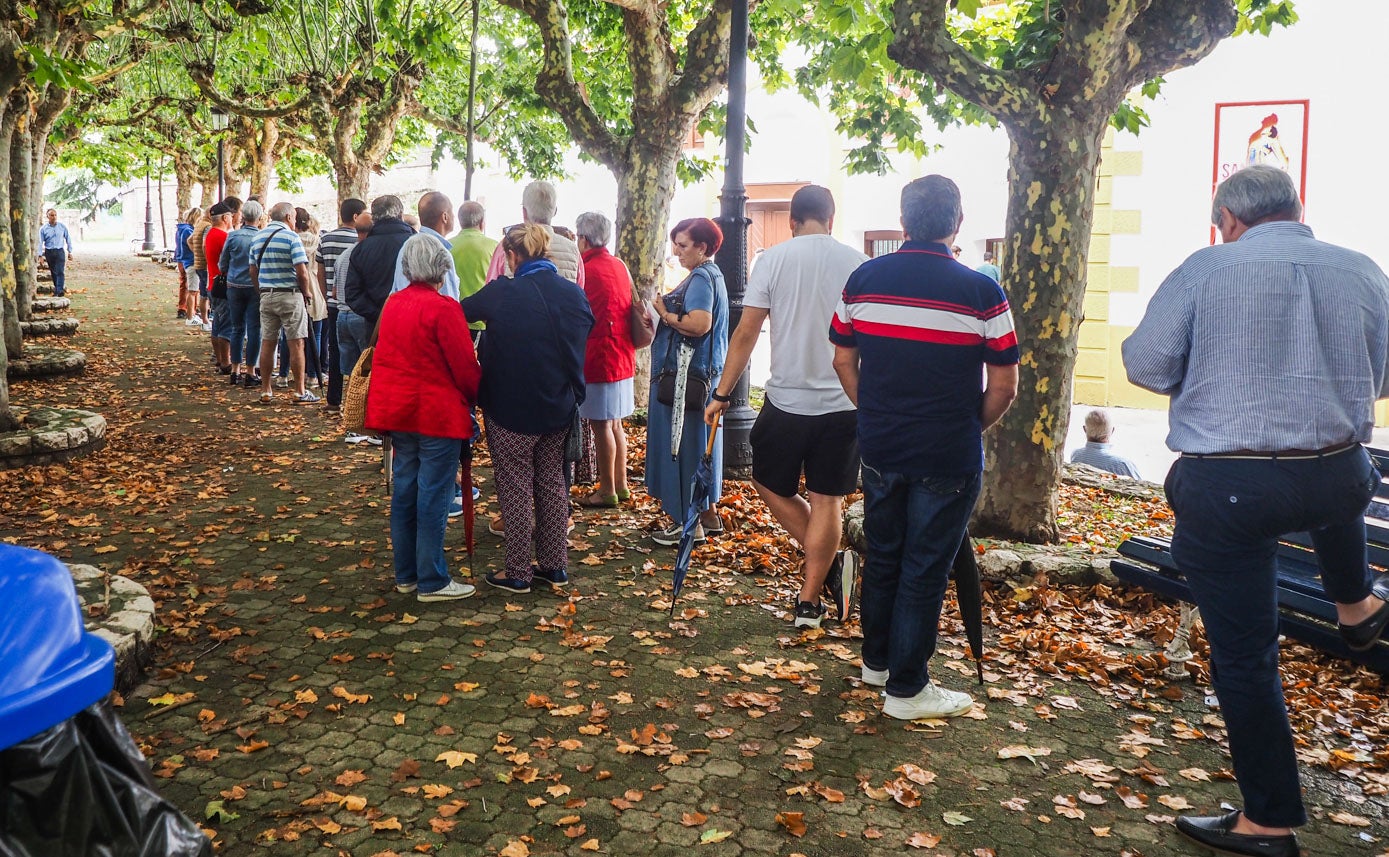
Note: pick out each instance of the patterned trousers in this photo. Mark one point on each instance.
(534, 499)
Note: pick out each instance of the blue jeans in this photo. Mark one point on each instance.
(57, 265)
(913, 527)
(243, 303)
(1230, 514)
(423, 474)
(353, 338)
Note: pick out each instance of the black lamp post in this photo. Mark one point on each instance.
(732, 257)
(219, 124)
(148, 245)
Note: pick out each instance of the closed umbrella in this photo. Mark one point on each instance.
(683, 357)
(703, 488)
(969, 595)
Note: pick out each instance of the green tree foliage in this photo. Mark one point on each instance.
(1055, 74)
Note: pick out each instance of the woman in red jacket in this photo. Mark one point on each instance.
(610, 360)
(424, 380)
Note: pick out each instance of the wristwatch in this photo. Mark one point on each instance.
(716, 396)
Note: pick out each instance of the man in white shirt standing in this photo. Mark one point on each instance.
(807, 425)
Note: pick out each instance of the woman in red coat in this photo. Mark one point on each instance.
(610, 360)
(424, 380)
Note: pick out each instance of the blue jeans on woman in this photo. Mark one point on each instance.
(422, 476)
(913, 527)
(353, 338)
(243, 302)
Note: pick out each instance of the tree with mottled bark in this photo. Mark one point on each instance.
(1055, 109)
(646, 74)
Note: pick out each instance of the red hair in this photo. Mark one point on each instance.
(701, 230)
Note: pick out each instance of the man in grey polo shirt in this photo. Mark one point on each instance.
(280, 270)
(1273, 347)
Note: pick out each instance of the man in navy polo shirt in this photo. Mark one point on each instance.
(915, 335)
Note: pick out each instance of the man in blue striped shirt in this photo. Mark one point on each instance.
(56, 243)
(1273, 347)
(280, 269)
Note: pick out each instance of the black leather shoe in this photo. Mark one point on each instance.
(1362, 636)
(1215, 832)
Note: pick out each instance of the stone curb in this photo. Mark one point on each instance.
(41, 361)
(52, 435)
(1058, 564)
(50, 304)
(49, 327)
(121, 612)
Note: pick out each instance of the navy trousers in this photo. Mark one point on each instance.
(1230, 514)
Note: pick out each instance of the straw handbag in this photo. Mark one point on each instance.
(354, 402)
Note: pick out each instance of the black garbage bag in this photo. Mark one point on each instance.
(83, 789)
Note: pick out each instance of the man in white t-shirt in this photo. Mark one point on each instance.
(807, 425)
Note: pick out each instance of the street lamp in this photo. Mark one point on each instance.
(732, 257)
(148, 245)
(219, 124)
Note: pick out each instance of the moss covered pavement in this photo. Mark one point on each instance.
(299, 705)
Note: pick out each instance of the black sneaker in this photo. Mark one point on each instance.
(182, 314)
(557, 579)
(839, 584)
(808, 615)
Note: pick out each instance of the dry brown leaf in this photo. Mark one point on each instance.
(923, 840)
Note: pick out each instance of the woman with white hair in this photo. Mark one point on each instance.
(424, 379)
(609, 360)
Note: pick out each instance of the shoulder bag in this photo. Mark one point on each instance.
(639, 323)
(697, 383)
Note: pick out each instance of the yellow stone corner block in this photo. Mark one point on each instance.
(1099, 249)
(1382, 414)
(1104, 190)
(1122, 164)
(1096, 306)
(1098, 278)
(1102, 221)
(1125, 222)
(1094, 335)
(1092, 365)
(1089, 392)
(1123, 279)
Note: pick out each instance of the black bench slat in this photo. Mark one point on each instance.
(1304, 615)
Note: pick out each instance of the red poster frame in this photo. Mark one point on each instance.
(1306, 106)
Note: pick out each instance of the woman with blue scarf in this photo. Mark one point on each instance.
(693, 322)
(532, 383)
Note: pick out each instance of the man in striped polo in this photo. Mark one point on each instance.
(280, 270)
(914, 334)
(1273, 347)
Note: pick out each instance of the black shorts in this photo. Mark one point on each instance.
(824, 446)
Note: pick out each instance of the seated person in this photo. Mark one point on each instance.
(1096, 453)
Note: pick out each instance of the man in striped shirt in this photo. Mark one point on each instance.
(914, 334)
(352, 214)
(1273, 347)
(280, 269)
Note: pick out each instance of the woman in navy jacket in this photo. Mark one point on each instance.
(532, 383)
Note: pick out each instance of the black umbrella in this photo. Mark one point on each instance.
(969, 595)
(703, 487)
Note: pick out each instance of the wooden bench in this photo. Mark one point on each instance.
(1305, 612)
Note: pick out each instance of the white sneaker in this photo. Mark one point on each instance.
(453, 592)
(207, 327)
(874, 678)
(195, 321)
(932, 701)
(354, 438)
(405, 588)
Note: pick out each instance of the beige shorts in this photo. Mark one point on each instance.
(283, 311)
